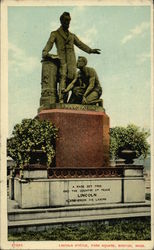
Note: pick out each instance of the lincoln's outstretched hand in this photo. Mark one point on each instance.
(96, 51)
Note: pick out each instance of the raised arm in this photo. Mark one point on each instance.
(84, 47)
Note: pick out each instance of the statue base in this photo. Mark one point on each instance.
(83, 137)
(120, 185)
(97, 107)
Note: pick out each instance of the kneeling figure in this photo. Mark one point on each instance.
(86, 88)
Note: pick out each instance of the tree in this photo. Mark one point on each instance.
(32, 135)
(131, 137)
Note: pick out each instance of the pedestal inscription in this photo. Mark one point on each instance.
(84, 192)
(88, 193)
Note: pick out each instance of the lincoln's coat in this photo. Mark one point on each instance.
(65, 48)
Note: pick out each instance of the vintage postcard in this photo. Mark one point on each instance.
(77, 127)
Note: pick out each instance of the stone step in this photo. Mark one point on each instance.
(45, 224)
(78, 211)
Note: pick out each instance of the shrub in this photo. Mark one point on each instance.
(130, 137)
(29, 136)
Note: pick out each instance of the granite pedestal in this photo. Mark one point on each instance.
(81, 174)
(32, 191)
(83, 137)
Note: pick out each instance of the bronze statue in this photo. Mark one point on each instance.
(65, 41)
(86, 88)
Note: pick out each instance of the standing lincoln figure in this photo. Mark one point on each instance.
(64, 41)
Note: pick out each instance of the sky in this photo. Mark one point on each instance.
(124, 66)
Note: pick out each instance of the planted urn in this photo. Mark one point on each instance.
(128, 155)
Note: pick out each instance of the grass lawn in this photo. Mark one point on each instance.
(130, 229)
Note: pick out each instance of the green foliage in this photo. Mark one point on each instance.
(31, 135)
(130, 137)
(126, 229)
